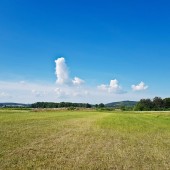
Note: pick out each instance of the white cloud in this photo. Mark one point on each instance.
(61, 71)
(77, 81)
(141, 86)
(113, 87)
(63, 74)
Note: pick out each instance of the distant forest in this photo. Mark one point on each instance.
(60, 105)
(157, 104)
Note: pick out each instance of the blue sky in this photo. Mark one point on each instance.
(100, 41)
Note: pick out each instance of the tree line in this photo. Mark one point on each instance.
(157, 104)
(60, 105)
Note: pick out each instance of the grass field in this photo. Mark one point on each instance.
(84, 140)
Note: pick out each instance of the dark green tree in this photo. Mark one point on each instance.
(101, 105)
(88, 105)
(158, 103)
(96, 105)
(166, 102)
(144, 105)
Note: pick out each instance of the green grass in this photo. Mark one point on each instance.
(84, 140)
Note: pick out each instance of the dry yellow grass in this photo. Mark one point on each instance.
(84, 140)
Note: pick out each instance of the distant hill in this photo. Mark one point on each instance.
(121, 103)
(14, 105)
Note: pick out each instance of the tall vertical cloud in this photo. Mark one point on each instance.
(61, 71)
(63, 74)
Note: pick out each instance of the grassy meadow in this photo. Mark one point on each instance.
(84, 140)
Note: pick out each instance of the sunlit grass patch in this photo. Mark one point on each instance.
(132, 122)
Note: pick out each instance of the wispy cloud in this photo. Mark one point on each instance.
(60, 93)
(77, 81)
(66, 89)
(27, 92)
(33, 92)
(4, 95)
